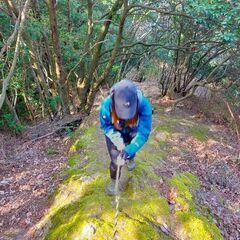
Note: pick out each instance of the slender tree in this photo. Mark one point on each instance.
(59, 66)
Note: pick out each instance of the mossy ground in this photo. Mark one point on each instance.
(81, 210)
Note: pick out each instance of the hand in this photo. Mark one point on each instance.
(120, 160)
(120, 144)
(124, 155)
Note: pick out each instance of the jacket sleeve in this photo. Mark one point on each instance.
(106, 123)
(144, 128)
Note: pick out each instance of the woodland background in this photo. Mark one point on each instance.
(56, 55)
(58, 60)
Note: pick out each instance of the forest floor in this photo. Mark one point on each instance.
(37, 175)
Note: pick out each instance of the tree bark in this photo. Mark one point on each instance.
(16, 53)
(96, 85)
(59, 67)
(13, 110)
(69, 25)
(97, 54)
(11, 9)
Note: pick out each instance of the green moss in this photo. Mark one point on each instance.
(197, 227)
(144, 172)
(167, 124)
(133, 229)
(165, 128)
(90, 131)
(80, 201)
(144, 206)
(79, 144)
(193, 225)
(200, 132)
(81, 209)
(85, 140)
(184, 183)
(72, 160)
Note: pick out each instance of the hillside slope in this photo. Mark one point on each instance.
(185, 186)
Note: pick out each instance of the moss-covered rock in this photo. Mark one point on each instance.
(191, 223)
(81, 210)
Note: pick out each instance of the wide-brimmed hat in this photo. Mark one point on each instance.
(125, 99)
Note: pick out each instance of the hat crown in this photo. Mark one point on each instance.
(125, 97)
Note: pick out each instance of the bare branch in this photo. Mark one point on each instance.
(149, 45)
(11, 38)
(16, 53)
(158, 10)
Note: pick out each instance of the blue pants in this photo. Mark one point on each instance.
(113, 152)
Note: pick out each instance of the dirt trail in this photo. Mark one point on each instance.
(29, 172)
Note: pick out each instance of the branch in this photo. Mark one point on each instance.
(103, 32)
(4, 10)
(198, 84)
(234, 118)
(158, 10)
(148, 45)
(11, 38)
(81, 58)
(116, 47)
(16, 53)
(137, 54)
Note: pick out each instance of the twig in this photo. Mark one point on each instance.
(2, 150)
(233, 119)
(38, 138)
(83, 55)
(159, 10)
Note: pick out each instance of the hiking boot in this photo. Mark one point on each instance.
(122, 184)
(124, 179)
(110, 188)
(131, 164)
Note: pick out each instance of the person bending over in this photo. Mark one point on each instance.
(126, 120)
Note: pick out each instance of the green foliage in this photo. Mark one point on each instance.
(7, 120)
(54, 102)
(223, 16)
(35, 28)
(213, 23)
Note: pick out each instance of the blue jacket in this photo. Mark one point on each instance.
(142, 129)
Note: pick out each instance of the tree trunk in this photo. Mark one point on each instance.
(69, 25)
(16, 53)
(96, 57)
(13, 110)
(42, 94)
(59, 67)
(98, 82)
